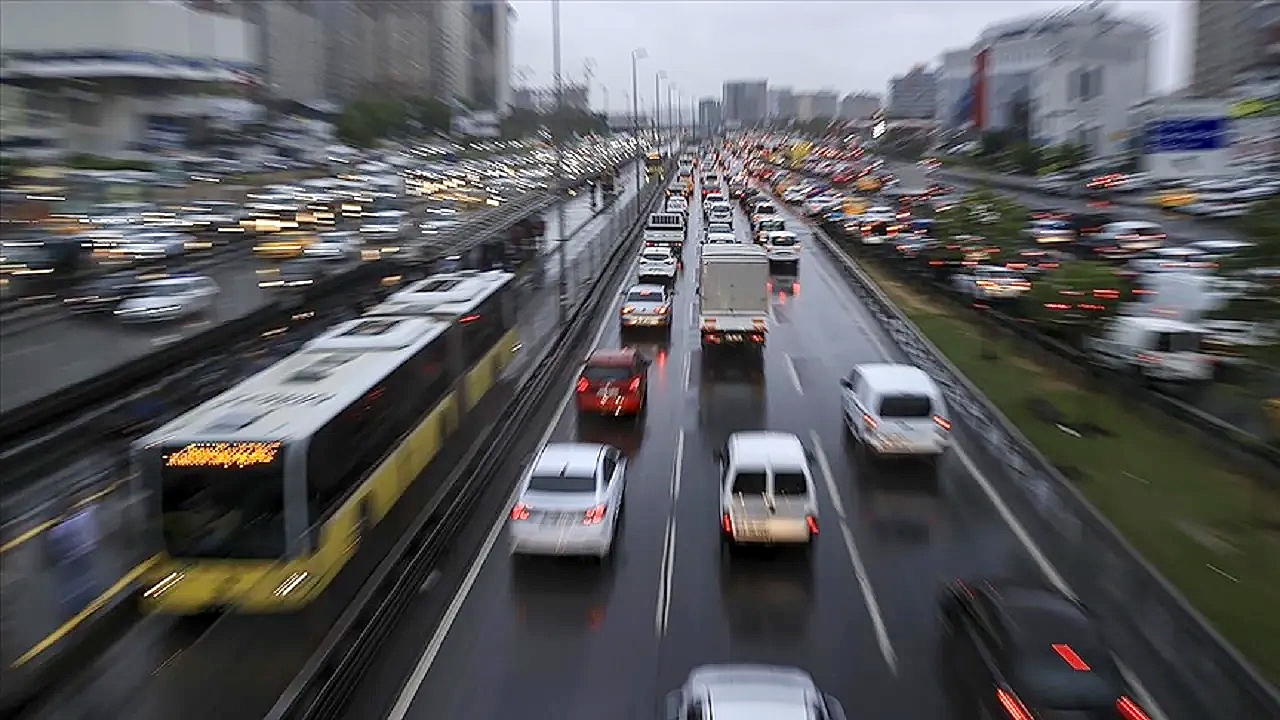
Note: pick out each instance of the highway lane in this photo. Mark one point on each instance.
(569, 640)
(45, 359)
(140, 676)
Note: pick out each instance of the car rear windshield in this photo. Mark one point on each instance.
(607, 373)
(1178, 342)
(789, 482)
(563, 483)
(782, 240)
(643, 296)
(1051, 683)
(749, 483)
(905, 406)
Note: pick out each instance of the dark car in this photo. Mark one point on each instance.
(102, 294)
(1088, 223)
(1014, 650)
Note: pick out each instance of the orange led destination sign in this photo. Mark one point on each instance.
(224, 454)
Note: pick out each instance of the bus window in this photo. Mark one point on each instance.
(210, 511)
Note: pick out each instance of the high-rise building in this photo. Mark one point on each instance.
(781, 103)
(290, 44)
(914, 95)
(745, 101)
(955, 77)
(709, 118)
(826, 104)
(491, 54)
(1233, 37)
(859, 107)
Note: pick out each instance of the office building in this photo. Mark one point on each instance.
(543, 99)
(110, 78)
(782, 103)
(1097, 66)
(859, 107)
(745, 102)
(1233, 37)
(954, 80)
(913, 96)
(709, 118)
(823, 104)
(491, 54)
(290, 45)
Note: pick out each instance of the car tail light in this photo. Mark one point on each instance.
(870, 421)
(627, 309)
(1129, 709)
(1013, 706)
(662, 309)
(520, 512)
(726, 523)
(583, 385)
(812, 522)
(594, 516)
(634, 385)
(942, 422)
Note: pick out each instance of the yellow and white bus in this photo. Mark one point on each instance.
(262, 494)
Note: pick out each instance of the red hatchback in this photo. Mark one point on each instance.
(613, 382)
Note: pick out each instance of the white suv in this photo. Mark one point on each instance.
(750, 692)
(895, 410)
(657, 263)
(767, 492)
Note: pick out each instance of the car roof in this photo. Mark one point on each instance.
(612, 357)
(647, 288)
(754, 692)
(765, 448)
(568, 458)
(895, 377)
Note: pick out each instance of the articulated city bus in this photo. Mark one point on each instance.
(261, 495)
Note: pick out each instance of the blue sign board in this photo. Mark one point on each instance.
(1187, 134)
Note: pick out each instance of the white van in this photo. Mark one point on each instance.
(782, 247)
(767, 491)
(1152, 348)
(896, 410)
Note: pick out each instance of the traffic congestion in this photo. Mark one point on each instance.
(747, 488)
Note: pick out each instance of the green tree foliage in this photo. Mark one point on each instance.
(523, 123)
(364, 122)
(1073, 299)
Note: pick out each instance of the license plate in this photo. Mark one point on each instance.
(733, 337)
(608, 392)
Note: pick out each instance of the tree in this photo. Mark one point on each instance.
(1072, 300)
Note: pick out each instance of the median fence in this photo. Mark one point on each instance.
(1142, 614)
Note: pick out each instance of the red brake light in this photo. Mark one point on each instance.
(583, 384)
(726, 523)
(870, 421)
(1129, 709)
(942, 422)
(1068, 655)
(634, 385)
(812, 522)
(520, 512)
(594, 516)
(1013, 706)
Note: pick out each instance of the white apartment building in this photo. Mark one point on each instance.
(859, 107)
(914, 95)
(1096, 67)
(108, 78)
(954, 80)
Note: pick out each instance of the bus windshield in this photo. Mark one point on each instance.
(211, 511)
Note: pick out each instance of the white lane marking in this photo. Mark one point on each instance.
(665, 574)
(826, 473)
(677, 470)
(410, 689)
(688, 370)
(795, 376)
(1024, 538)
(869, 597)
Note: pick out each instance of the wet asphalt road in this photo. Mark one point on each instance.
(573, 641)
(40, 361)
(141, 676)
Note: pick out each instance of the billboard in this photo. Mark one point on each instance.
(979, 87)
(1188, 140)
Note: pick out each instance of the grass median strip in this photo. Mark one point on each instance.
(1213, 530)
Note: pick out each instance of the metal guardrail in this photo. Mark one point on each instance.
(1137, 607)
(322, 688)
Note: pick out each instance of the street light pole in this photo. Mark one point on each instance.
(559, 174)
(657, 107)
(636, 55)
(671, 126)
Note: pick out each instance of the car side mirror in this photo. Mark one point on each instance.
(844, 383)
(671, 705)
(835, 711)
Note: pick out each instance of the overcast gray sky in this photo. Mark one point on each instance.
(806, 44)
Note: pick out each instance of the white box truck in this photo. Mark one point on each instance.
(733, 295)
(665, 229)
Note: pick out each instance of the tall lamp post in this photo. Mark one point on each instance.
(559, 173)
(671, 125)
(636, 55)
(657, 107)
